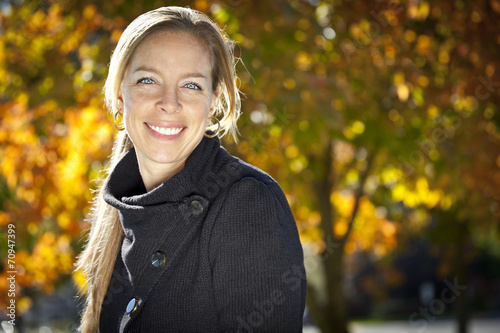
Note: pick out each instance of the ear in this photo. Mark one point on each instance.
(119, 101)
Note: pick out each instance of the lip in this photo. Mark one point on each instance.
(164, 137)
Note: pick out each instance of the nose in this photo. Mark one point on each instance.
(168, 100)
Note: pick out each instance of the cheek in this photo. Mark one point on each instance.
(130, 109)
(205, 115)
(131, 97)
(199, 108)
(201, 120)
(133, 102)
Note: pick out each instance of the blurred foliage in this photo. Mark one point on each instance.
(393, 105)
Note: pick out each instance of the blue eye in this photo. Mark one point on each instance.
(192, 85)
(146, 80)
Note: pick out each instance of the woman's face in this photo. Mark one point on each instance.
(166, 97)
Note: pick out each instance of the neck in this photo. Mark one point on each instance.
(154, 175)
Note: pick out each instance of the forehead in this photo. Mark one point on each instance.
(171, 49)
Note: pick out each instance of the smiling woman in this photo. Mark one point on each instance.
(185, 237)
(166, 98)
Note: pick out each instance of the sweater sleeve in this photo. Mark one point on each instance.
(258, 269)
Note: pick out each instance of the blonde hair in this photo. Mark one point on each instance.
(98, 258)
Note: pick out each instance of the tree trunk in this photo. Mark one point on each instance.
(462, 311)
(336, 307)
(332, 318)
(318, 312)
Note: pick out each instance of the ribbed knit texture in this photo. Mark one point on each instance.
(234, 266)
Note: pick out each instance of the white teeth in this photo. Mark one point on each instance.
(166, 130)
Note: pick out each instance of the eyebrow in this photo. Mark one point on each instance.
(154, 70)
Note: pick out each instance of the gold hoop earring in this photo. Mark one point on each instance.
(218, 128)
(118, 128)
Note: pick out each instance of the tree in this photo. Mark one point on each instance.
(403, 86)
(356, 108)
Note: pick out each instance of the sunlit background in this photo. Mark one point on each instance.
(379, 119)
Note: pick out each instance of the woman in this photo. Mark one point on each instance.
(185, 237)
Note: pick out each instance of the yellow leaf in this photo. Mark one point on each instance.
(291, 152)
(403, 92)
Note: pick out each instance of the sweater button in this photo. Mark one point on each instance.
(196, 207)
(131, 306)
(158, 259)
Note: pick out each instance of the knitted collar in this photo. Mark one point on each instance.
(125, 190)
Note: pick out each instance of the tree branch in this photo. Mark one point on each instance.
(357, 196)
(323, 189)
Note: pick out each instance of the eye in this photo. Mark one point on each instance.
(192, 85)
(146, 80)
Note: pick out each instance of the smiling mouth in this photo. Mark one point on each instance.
(166, 130)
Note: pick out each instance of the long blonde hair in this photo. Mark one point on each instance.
(98, 258)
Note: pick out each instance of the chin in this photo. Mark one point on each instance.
(166, 157)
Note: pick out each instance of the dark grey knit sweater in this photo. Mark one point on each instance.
(213, 249)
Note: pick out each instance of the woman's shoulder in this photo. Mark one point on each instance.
(236, 183)
(241, 175)
(253, 213)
